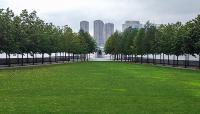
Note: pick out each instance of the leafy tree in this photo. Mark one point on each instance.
(188, 41)
(177, 42)
(195, 35)
(68, 42)
(157, 46)
(7, 38)
(87, 43)
(128, 37)
(139, 43)
(24, 37)
(150, 31)
(109, 45)
(114, 45)
(168, 35)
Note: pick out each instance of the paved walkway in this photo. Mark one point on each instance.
(13, 66)
(100, 59)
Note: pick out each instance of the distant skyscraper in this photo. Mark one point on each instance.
(109, 30)
(132, 24)
(84, 25)
(99, 33)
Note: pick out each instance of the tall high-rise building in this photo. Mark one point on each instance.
(99, 33)
(109, 30)
(132, 24)
(84, 25)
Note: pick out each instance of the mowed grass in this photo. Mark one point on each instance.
(100, 87)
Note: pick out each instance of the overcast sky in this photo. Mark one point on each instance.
(71, 12)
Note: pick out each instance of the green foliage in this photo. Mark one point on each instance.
(114, 44)
(128, 38)
(87, 43)
(171, 39)
(196, 34)
(139, 42)
(149, 39)
(177, 42)
(27, 33)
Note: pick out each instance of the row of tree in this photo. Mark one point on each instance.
(28, 34)
(170, 39)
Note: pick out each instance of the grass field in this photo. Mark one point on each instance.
(100, 87)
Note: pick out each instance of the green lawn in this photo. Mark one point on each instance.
(100, 87)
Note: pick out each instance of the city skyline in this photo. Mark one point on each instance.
(132, 24)
(102, 31)
(84, 25)
(108, 30)
(99, 35)
(61, 13)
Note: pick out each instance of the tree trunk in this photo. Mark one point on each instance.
(160, 59)
(132, 58)
(173, 61)
(6, 59)
(129, 58)
(42, 58)
(56, 57)
(73, 57)
(17, 58)
(84, 57)
(50, 58)
(177, 62)
(80, 57)
(87, 57)
(68, 57)
(33, 59)
(60, 57)
(168, 59)
(186, 61)
(22, 59)
(27, 61)
(199, 61)
(155, 59)
(135, 59)
(121, 57)
(163, 59)
(77, 56)
(36, 58)
(9, 64)
(65, 56)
